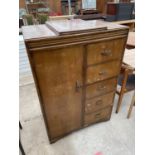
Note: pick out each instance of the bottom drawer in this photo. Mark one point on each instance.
(95, 117)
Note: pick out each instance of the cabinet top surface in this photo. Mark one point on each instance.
(58, 28)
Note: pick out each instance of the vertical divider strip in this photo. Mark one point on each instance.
(84, 77)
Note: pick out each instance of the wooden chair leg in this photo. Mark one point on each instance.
(21, 148)
(131, 106)
(119, 101)
(20, 126)
(122, 91)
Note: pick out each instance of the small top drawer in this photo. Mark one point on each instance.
(104, 51)
(103, 71)
(101, 88)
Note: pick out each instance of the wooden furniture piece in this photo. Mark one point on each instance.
(20, 126)
(101, 6)
(38, 6)
(22, 4)
(130, 23)
(64, 17)
(126, 78)
(56, 6)
(119, 11)
(91, 17)
(83, 17)
(75, 65)
(129, 57)
(88, 11)
(131, 41)
(20, 144)
(65, 9)
(131, 106)
(127, 1)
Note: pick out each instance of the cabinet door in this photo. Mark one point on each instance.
(57, 72)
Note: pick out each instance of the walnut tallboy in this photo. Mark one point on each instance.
(75, 65)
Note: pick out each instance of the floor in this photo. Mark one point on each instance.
(115, 137)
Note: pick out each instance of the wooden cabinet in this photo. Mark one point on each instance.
(101, 6)
(120, 11)
(75, 68)
(22, 4)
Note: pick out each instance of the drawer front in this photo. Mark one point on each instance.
(104, 51)
(99, 103)
(102, 71)
(101, 88)
(103, 115)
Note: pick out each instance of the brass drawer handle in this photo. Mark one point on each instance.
(106, 53)
(99, 102)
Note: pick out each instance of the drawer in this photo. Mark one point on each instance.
(103, 115)
(104, 51)
(101, 88)
(99, 103)
(102, 71)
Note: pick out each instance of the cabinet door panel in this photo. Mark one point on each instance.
(57, 72)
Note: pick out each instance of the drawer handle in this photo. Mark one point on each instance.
(106, 53)
(98, 115)
(102, 73)
(88, 105)
(101, 87)
(78, 86)
(99, 102)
